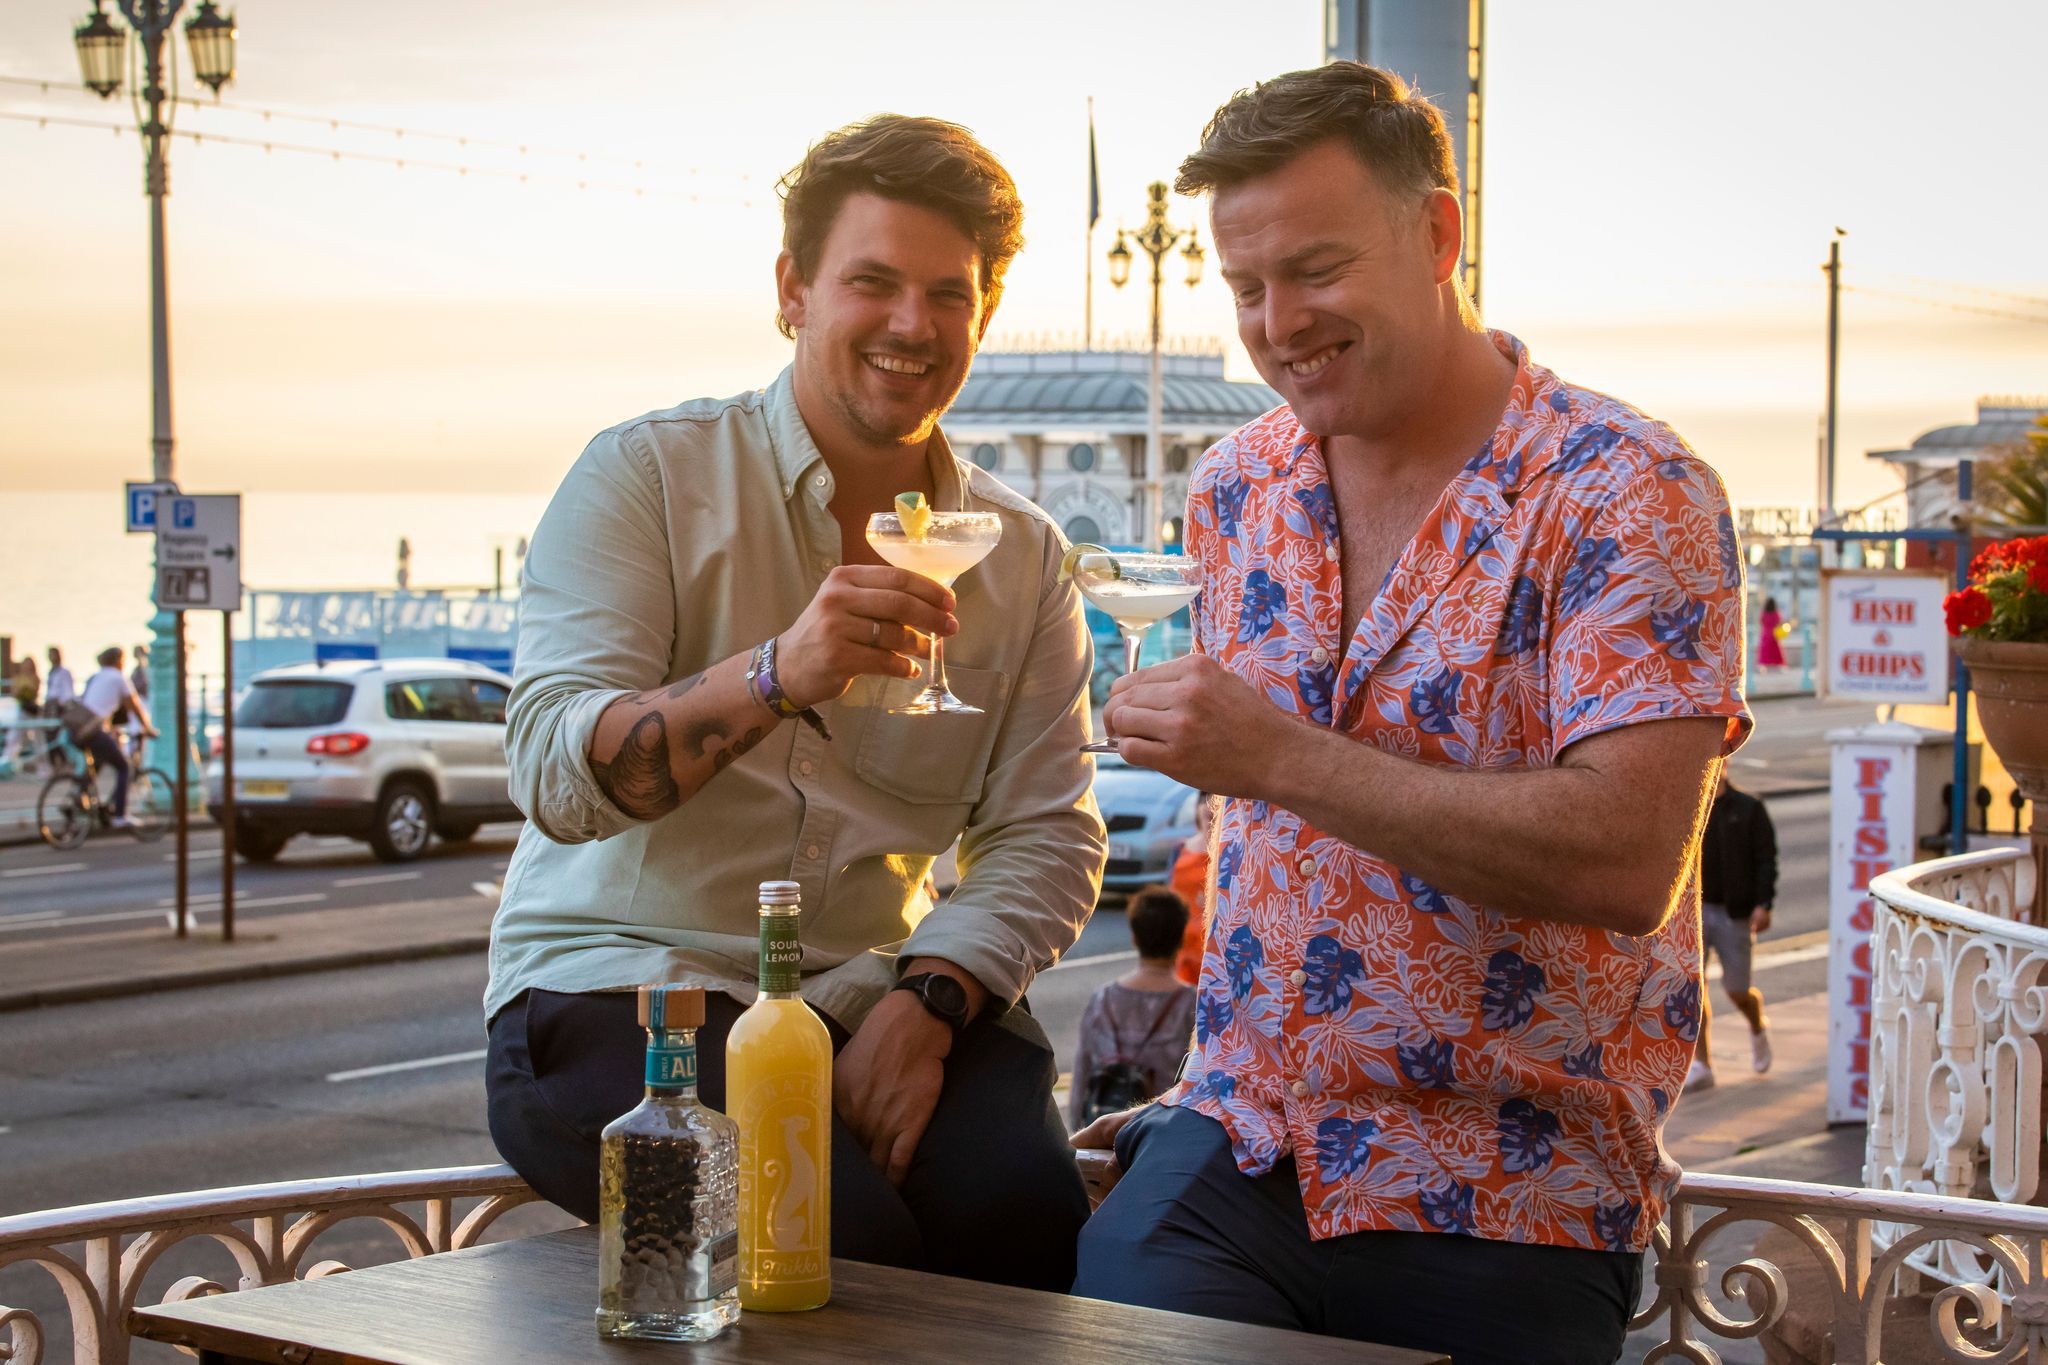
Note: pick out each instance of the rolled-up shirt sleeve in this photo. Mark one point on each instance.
(1031, 856)
(596, 622)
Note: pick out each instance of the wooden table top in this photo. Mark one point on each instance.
(534, 1299)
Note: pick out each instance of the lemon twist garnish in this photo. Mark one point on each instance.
(914, 514)
(1098, 561)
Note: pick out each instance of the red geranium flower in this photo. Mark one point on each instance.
(1966, 608)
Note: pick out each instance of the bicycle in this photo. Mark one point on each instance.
(71, 805)
(40, 752)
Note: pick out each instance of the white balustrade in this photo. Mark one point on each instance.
(1959, 1010)
(99, 1253)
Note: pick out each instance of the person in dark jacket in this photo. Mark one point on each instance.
(1738, 885)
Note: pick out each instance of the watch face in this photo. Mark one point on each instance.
(945, 994)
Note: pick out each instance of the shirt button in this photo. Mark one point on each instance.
(1308, 865)
(806, 767)
(1319, 655)
(820, 481)
(811, 851)
(1300, 1089)
(1297, 978)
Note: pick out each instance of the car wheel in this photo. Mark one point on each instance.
(259, 845)
(404, 821)
(456, 833)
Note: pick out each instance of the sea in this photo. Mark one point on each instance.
(71, 575)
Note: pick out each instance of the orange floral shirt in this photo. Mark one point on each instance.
(1431, 1064)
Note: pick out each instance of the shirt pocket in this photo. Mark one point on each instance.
(934, 760)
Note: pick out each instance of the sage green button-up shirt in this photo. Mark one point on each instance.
(686, 536)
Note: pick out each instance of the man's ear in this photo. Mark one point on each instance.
(1443, 218)
(791, 289)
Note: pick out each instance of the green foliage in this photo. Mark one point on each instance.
(2013, 488)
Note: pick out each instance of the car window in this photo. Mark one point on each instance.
(489, 699)
(428, 699)
(293, 705)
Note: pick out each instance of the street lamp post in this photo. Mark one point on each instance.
(1155, 238)
(103, 54)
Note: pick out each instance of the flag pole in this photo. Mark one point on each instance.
(1094, 212)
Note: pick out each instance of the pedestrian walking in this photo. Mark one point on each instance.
(1136, 1028)
(58, 687)
(1769, 652)
(24, 688)
(1738, 884)
(1190, 881)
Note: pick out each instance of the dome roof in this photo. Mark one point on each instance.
(1998, 426)
(1105, 389)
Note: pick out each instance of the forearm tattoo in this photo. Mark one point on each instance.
(637, 779)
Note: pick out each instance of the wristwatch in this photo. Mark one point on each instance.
(941, 994)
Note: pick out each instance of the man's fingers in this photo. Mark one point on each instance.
(888, 578)
(900, 1154)
(881, 604)
(889, 635)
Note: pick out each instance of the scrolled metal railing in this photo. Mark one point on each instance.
(99, 1254)
(1848, 1286)
(1826, 1260)
(1959, 1016)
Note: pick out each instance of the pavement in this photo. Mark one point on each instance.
(1757, 1125)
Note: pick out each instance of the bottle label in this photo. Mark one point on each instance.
(725, 1264)
(782, 956)
(671, 1068)
(785, 1146)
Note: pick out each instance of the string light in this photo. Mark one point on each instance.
(459, 169)
(2038, 319)
(398, 132)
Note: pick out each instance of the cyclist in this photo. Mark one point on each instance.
(111, 697)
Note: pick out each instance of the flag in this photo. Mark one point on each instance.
(1094, 181)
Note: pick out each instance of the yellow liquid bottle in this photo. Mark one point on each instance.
(778, 1088)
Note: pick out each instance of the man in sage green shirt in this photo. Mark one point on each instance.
(654, 751)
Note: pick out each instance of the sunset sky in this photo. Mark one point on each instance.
(1662, 183)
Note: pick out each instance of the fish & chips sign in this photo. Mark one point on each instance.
(1884, 638)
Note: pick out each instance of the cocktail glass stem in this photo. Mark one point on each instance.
(937, 698)
(937, 685)
(1134, 641)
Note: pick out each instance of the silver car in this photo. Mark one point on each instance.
(390, 751)
(1148, 815)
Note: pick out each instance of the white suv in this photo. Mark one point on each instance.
(390, 751)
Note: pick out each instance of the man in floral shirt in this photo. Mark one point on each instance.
(1467, 656)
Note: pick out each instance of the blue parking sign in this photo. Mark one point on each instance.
(182, 514)
(142, 503)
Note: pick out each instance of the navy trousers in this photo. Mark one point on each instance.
(993, 1193)
(1185, 1230)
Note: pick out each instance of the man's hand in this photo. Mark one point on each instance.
(1198, 723)
(1759, 920)
(1102, 1133)
(886, 1081)
(866, 618)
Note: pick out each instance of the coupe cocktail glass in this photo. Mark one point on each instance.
(954, 543)
(1137, 591)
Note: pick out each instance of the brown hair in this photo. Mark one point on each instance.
(923, 161)
(1399, 135)
(1158, 918)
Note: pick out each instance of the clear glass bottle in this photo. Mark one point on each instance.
(668, 1175)
(778, 1084)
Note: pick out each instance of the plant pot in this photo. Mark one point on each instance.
(2010, 680)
